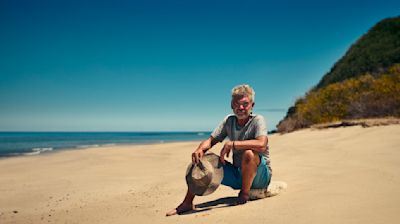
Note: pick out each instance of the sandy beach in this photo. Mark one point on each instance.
(337, 175)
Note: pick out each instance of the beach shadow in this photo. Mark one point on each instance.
(218, 203)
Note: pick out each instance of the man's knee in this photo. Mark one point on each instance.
(249, 157)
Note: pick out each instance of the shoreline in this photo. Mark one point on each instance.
(93, 147)
(46, 150)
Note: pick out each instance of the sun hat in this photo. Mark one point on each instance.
(205, 177)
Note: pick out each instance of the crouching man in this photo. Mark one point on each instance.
(247, 140)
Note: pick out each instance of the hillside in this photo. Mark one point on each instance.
(372, 53)
(364, 83)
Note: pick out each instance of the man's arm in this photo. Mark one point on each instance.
(203, 148)
(259, 145)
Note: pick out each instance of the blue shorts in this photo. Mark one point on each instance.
(233, 175)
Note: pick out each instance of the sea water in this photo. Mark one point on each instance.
(34, 143)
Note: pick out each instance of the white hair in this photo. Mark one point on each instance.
(244, 90)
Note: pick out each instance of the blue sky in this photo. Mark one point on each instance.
(166, 65)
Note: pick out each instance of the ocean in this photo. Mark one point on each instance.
(34, 143)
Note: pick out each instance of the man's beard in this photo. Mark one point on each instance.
(243, 115)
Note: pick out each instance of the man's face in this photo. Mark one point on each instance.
(242, 106)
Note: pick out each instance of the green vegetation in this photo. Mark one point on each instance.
(365, 83)
(373, 52)
(362, 97)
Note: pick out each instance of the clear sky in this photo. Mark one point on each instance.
(166, 65)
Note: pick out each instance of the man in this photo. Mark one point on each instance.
(248, 141)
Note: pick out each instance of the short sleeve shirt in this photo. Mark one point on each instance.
(254, 128)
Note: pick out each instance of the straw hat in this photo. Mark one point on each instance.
(204, 178)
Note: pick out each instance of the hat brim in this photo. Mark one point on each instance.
(216, 179)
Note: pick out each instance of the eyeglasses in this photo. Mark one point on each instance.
(244, 104)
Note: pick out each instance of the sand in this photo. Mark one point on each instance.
(338, 175)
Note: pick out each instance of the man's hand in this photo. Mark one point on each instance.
(196, 156)
(225, 151)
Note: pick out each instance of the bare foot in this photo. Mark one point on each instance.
(242, 198)
(182, 208)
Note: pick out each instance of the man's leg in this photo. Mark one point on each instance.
(185, 206)
(250, 162)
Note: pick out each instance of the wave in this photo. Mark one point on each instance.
(42, 149)
(35, 151)
(27, 153)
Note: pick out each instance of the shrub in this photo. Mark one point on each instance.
(363, 97)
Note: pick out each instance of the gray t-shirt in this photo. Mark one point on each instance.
(254, 128)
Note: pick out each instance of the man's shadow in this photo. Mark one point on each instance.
(218, 203)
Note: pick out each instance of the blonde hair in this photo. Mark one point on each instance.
(244, 90)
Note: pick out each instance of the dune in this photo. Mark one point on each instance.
(334, 175)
